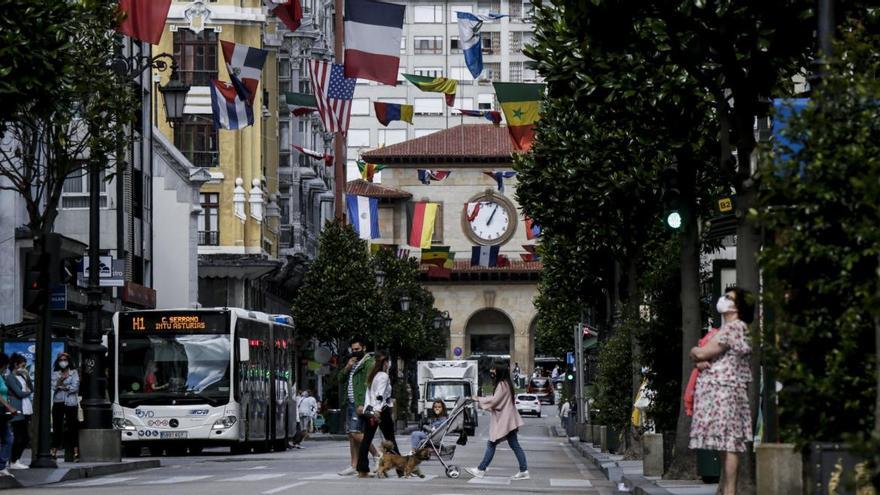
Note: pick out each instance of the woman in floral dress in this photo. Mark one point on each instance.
(722, 418)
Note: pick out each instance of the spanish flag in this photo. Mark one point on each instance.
(435, 85)
(422, 216)
(521, 105)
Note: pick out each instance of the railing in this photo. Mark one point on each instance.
(203, 158)
(209, 238)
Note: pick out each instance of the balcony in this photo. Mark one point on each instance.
(209, 238)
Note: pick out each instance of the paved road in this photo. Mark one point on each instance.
(554, 466)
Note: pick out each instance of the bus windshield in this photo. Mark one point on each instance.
(178, 369)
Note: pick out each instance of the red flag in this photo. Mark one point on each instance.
(503, 261)
(143, 19)
(290, 13)
(439, 272)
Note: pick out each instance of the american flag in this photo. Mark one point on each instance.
(333, 92)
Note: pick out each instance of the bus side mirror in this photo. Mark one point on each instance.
(244, 350)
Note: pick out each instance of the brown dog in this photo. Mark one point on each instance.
(409, 464)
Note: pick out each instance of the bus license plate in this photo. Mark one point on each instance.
(172, 434)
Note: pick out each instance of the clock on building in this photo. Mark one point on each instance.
(489, 219)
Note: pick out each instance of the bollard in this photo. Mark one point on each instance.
(603, 438)
(779, 469)
(589, 434)
(597, 434)
(652, 450)
(582, 432)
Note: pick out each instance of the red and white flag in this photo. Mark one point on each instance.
(245, 66)
(372, 40)
(289, 12)
(333, 93)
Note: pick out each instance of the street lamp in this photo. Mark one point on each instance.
(174, 94)
(380, 277)
(404, 302)
(442, 321)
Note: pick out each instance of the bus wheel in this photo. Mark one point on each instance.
(280, 445)
(239, 448)
(176, 451)
(131, 451)
(155, 451)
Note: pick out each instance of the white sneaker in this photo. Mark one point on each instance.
(349, 471)
(475, 472)
(522, 475)
(5, 472)
(18, 465)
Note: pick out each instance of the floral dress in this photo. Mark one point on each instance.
(722, 418)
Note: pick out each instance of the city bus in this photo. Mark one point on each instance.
(187, 379)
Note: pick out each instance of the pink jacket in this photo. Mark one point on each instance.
(691, 387)
(505, 418)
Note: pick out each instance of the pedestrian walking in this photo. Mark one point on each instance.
(65, 403)
(377, 413)
(504, 423)
(419, 436)
(722, 418)
(307, 410)
(517, 375)
(9, 412)
(358, 367)
(21, 393)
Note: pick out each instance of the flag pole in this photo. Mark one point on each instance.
(339, 142)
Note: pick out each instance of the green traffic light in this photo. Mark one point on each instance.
(673, 219)
(570, 376)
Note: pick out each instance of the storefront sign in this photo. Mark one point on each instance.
(144, 297)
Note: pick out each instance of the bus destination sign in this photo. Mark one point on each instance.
(159, 322)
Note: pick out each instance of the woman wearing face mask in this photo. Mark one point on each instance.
(377, 410)
(8, 412)
(722, 418)
(504, 423)
(65, 424)
(21, 392)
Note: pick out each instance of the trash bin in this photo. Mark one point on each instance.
(709, 465)
(334, 421)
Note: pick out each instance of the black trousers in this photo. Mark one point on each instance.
(386, 425)
(20, 437)
(65, 426)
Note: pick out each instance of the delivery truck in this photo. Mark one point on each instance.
(448, 381)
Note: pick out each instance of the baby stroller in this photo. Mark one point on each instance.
(434, 441)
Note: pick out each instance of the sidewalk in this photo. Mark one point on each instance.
(67, 471)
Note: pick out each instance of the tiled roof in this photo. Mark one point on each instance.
(364, 188)
(482, 143)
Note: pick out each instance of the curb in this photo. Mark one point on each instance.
(37, 477)
(329, 437)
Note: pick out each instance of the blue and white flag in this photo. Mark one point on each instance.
(245, 65)
(469, 38)
(484, 256)
(230, 111)
(363, 215)
(500, 176)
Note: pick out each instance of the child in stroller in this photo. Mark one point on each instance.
(419, 436)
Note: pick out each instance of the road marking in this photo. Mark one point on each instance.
(490, 480)
(285, 487)
(328, 476)
(252, 468)
(99, 482)
(255, 477)
(174, 479)
(567, 483)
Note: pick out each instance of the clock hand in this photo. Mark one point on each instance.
(488, 222)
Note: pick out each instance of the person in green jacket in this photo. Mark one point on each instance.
(357, 369)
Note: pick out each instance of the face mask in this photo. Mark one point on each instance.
(62, 364)
(357, 354)
(725, 305)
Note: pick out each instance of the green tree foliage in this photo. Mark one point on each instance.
(821, 204)
(614, 399)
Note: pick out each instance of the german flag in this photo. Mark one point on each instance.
(521, 106)
(422, 216)
(435, 85)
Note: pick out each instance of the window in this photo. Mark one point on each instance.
(429, 71)
(454, 47)
(516, 72)
(388, 137)
(209, 227)
(516, 42)
(429, 106)
(400, 72)
(403, 45)
(490, 6)
(463, 103)
(358, 138)
(284, 206)
(75, 192)
(428, 13)
(491, 42)
(428, 44)
(425, 132)
(491, 72)
(461, 74)
(196, 56)
(530, 74)
(360, 106)
(399, 101)
(198, 142)
(137, 193)
(485, 102)
(453, 9)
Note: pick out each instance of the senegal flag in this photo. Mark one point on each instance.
(435, 255)
(521, 105)
(368, 170)
(300, 103)
(435, 85)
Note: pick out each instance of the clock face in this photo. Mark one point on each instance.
(490, 222)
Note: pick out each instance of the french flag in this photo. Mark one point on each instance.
(230, 111)
(484, 256)
(363, 215)
(372, 40)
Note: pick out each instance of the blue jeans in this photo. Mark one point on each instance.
(514, 446)
(417, 438)
(5, 444)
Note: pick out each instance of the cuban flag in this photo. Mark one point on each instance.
(245, 66)
(230, 111)
(484, 256)
(363, 214)
(372, 40)
(469, 39)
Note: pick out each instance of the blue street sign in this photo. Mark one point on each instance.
(457, 351)
(569, 357)
(58, 298)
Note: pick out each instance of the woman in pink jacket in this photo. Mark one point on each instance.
(503, 424)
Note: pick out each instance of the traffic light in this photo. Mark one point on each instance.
(671, 196)
(36, 282)
(68, 271)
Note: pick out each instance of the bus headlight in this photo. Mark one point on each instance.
(223, 423)
(123, 424)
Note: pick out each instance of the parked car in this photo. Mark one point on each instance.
(543, 389)
(528, 404)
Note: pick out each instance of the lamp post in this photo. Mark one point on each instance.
(404, 302)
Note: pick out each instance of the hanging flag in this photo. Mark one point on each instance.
(426, 176)
(290, 13)
(435, 255)
(300, 103)
(387, 112)
(472, 210)
(531, 254)
(372, 40)
(143, 20)
(333, 93)
(503, 261)
(469, 39)
(230, 111)
(363, 215)
(521, 105)
(403, 253)
(484, 256)
(499, 177)
(533, 230)
(490, 115)
(245, 66)
(368, 170)
(328, 159)
(422, 216)
(435, 85)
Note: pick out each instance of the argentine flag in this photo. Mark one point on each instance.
(363, 215)
(469, 38)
